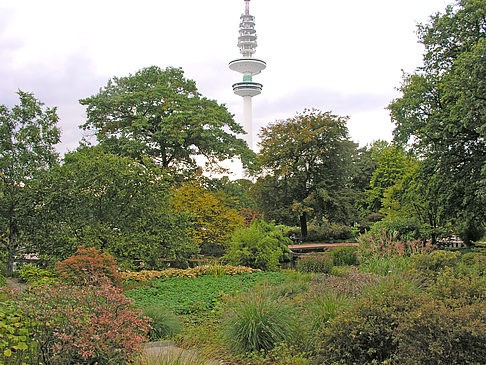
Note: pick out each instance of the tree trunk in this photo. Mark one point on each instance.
(303, 225)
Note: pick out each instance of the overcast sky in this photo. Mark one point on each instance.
(342, 56)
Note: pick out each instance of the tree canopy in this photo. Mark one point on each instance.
(442, 110)
(161, 114)
(28, 133)
(306, 164)
(110, 202)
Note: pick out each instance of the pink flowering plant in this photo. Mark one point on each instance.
(86, 325)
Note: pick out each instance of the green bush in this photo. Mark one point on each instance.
(472, 263)
(399, 227)
(31, 273)
(432, 263)
(326, 231)
(260, 246)
(345, 256)
(3, 282)
(255, 321)
(364, 333)
(460, 289)
(315, 264)
(165, 324)
(438, 334)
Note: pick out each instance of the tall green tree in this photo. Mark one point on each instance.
(306, 162)
(110, 202)
(442, 110)
(161, 114)
(28, 133)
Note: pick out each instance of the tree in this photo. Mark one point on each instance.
(213, 221)
(306, 162)
(442, 109)
(392, 164)
(161, 114)
(113, 203)
(28, 133)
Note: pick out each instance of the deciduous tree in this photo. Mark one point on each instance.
(28, 133)
(442, 109)
(161, 114)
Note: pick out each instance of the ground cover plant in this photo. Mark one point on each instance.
(190, 295)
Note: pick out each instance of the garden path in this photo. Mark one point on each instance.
(168, 351)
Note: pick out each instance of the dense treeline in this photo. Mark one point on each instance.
(140, 194)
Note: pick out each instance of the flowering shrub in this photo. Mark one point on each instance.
(92, 324)
(215, 270)
(89, 265)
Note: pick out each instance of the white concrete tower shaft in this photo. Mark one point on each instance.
(249, 67)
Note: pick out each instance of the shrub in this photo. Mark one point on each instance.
(93, 324)
(164, 323)
(31, 273)
(315, 264)
(344, 256)
(3, 282)
(438, 334)
(430, 264)
(255, 321)
(472, 263)
(402, 228)
(325, 231)
(364, 333)
(260, 246)
(16, 346)
(458, 288)
(89, 265)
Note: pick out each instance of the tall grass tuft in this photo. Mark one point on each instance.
(165, 324)
(256, 321)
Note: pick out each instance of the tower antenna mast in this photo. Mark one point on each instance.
(249, 67)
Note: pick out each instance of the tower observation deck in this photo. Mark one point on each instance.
(249, 67)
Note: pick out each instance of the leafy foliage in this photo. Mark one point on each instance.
(261, 246)
(213, 219)
(16, 344)
(92, 324)
(212, 270)
(442, 108)
(109, 202)
(186, 296)
(306, 169)
(31, 273)
(159, 113)
(28, 134)
(89, 266)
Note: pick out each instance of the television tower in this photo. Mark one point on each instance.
(249, 67)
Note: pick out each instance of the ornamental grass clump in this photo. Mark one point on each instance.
(315, 264)
(165, 324)
(255, 321)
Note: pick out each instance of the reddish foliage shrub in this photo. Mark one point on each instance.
(84, 325)
(89, 266)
